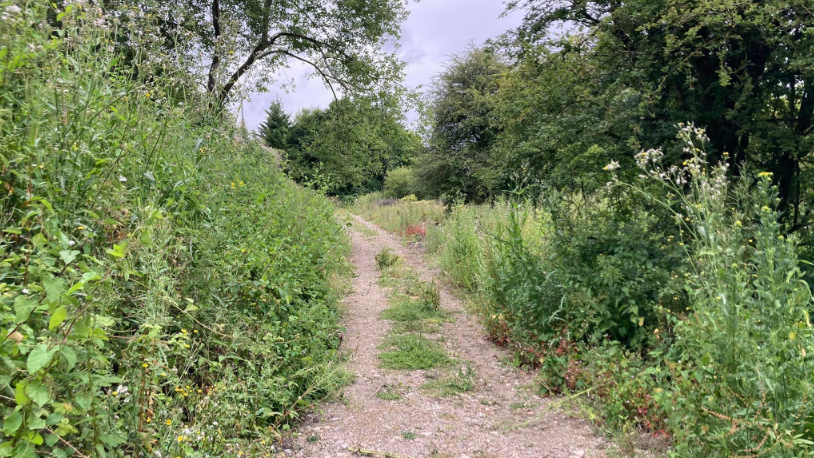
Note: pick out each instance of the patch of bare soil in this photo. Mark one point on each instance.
(479, 423)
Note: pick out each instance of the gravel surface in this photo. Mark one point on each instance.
(478, 424)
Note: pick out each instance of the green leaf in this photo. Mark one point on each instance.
(39, 357)
(68, 256)
(38, 392)
(70, 356)
(59, 453)
(24, 450)
(54, 418)
(35, 424)
(118, 251)
(58, 317)
(112, 439)
(83, 401)
(6, 448)
(23, 306)
(88, 276)
(19, 394)
(51, 439)
(54, 287)
(12, 423)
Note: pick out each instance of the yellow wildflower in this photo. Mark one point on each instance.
(168, 422)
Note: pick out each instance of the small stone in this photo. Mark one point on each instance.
(578, 453)
(464, 456)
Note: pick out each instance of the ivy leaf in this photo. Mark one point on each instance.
(68, 255)
(12, 423)
(58, 317)
(38, 392)
(54, 287)
(39, 357)
(23, 306)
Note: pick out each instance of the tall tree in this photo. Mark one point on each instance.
(341, 40)
(348, 147)
(274, 130)
(743, 69)
(461, 128)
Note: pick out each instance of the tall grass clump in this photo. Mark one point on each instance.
(163, 290)
(403, 216)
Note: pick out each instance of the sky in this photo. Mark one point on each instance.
(435, 30)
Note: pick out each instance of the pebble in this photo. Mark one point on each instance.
(578, 453)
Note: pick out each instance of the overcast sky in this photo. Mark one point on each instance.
(434, 30)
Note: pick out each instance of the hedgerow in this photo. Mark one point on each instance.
(164, 288)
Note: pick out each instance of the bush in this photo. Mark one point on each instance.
(399, 183)
(163, 289)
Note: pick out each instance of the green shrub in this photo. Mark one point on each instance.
(399, 183)
(160, 282)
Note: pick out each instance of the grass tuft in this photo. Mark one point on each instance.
(412, 352)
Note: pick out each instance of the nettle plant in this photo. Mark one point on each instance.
(741, 363)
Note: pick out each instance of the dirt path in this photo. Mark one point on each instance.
(475, 424)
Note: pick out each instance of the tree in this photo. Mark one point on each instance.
(742, 69)
(274, 131)
(341, 40)
(348, 147)
(461, 129)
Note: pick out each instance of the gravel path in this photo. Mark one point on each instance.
(476, 424)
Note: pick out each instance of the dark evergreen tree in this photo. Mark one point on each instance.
(275, 130)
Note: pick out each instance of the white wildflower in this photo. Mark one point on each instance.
(612, 166)
(122, 179)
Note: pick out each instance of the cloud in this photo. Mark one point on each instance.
(434, 31)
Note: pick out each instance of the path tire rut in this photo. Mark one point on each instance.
(475, 424)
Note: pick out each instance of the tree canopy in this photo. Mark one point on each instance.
(341, 40)
(348, 147)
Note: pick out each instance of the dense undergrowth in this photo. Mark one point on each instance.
(164, 288)
(674, 303)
